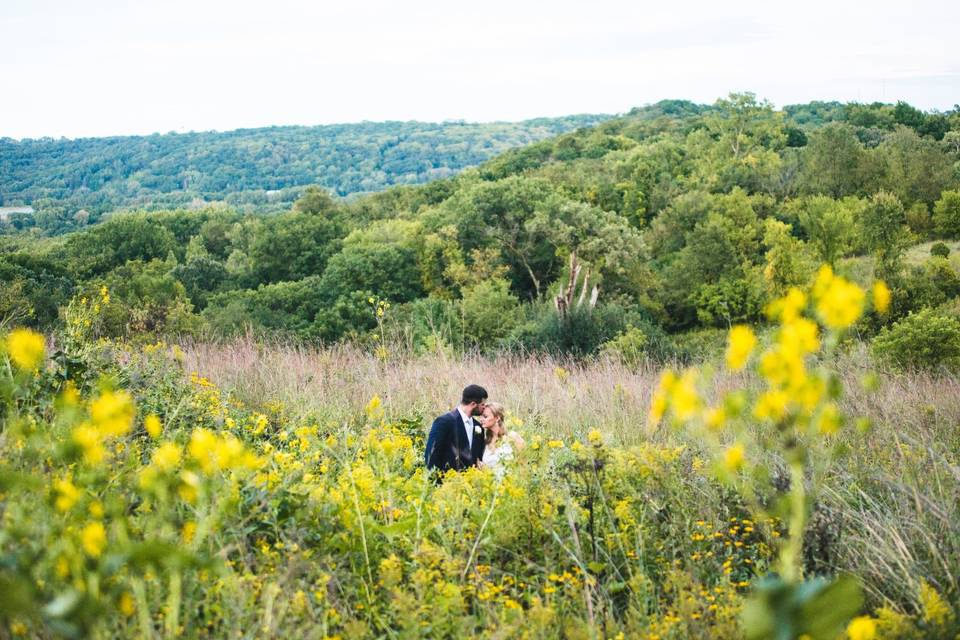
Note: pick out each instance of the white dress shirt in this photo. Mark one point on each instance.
(468, 425)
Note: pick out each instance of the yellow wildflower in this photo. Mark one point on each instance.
(828, 422)
(94, 539)
(799, 336)
(555, 444)
(935, 610)
(595, 437)
(188, 486)
(166, 457)
(715, 418)
(96, 509)
(733, 458)
(90, 442)
(126, 604)
(153, 426)
(683, 396)
(189, 531)
(662, 393)
(771, 405)
(113, 412)
(70, 397)
(881, 296)
(788, 307)
(741, 344)
(862, 628)
(26, 348)
(839, 302)
(374, 408)
(67, 494)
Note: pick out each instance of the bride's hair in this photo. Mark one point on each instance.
(498, 412)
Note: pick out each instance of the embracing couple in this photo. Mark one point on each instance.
(472, 435)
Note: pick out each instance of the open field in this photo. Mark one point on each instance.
(252, 488)
(891, 501)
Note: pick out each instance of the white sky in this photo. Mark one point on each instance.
(105, 67)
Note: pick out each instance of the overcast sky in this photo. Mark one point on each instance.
(92, 68)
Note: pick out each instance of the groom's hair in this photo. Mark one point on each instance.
(473, 393)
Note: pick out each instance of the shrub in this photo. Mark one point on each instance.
(489, 312)
(728, 302)
(629, 347)
(918, 219)
(701, 344)
(939, 250)
(921, 340)
(946, 214)
(579, 333)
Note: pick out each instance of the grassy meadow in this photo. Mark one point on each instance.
(249, 489)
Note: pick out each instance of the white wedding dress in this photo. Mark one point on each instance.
(496, 458)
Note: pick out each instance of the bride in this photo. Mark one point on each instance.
(500, 443)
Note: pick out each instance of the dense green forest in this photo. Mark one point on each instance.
(643, 236)
(71, 183)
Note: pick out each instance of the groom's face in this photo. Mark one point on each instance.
(478, 408)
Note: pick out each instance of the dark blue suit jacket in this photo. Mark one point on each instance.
(447, 444)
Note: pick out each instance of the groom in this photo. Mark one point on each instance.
(456, 439)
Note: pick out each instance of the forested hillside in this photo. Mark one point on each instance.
(70, 183)
(676, 221)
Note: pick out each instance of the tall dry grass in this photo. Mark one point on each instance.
(889, 510)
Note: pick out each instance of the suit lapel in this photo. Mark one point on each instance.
(477, 441)
(459, 436)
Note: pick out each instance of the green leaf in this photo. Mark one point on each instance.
(819, 608)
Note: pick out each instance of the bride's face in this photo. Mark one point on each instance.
(489, 421)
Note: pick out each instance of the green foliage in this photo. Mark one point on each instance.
(939, 250)
(919, 219)
(388, 271)
(914, 169)
(818, 609)
(921, 340)
(883, 230)
(580, 332)
(253, 169)
(701, 345)
(694, 214)
(489, 313)
(146, 301)
(789, 262)
(33, 290)
(828, 224)
(833, 162)
(739, 145)
(629, 347)
(201, 276)
(116, 242)
(946, 214)
(292, 246)
(729, 302)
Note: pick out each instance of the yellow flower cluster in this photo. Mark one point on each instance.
(111, 416)
(216, 452)
(839, 302)
(742, 342)
(112, 412)
(679, 393)
(25, 348)
(93, 538)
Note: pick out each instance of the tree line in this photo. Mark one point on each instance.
(72, 183)
(646, 235)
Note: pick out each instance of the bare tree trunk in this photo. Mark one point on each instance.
(564, 300)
